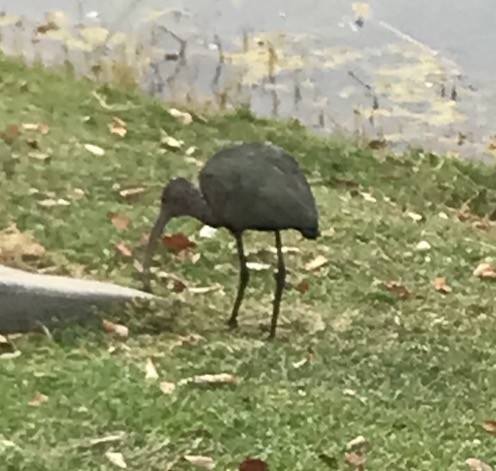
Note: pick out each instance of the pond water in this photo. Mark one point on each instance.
(408, 72)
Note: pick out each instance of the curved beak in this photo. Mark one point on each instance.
(158, 229)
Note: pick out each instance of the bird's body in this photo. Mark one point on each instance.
(258, 187)
(244, 187)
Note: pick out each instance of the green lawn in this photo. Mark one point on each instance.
(416, 376)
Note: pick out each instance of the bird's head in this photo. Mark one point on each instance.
(178, 196)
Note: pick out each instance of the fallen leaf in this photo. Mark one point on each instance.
(441, 285)
(490, 426)
(17, 245)
(485, 270)
(368, 197)
(221, 378)
(116, 459)
(119, 221)
(207, 232)
(150, 370)
(107, 439)
(423, 246)
(201, 461)
(182, 116)
(414, 216)
(131, 194)
(484, 224)
(477, 465)
(167, 388)
(359, 443)
(178, 242)
(396, 288)
(255, 266)
(95, 150)
(50, 203)
(10, 355)
(191, 150)
(10, 134)
(355, 460)
(43, 128)
(118, 127)
(124, 250)
(316, 263)
(39, 155)
(117, 329)
(38, 399)
(253, 464)
(171, 142)
(205, 289)
(302, 287)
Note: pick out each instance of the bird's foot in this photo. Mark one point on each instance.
(232, 323)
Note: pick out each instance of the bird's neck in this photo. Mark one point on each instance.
(203, 213)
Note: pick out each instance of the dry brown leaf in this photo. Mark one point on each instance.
(171, 142)
(489, 426)
(166, 387)
(207, 232)
(204, 462)
(42, 128)
(221, 378)
(255, 266)
(205, 289)
(117, 329)
(10, 134)
(486, 271)
(124, 250)
(18, 246)
(118, 127)
(423, 246)
(117, 459)
(440, 285)
(10, 355)
(50, 203)
(477, 465)
(178, 242)
(38, 399)
(191, 150)
(107, 439)
(95, 150)
(358, 444)
(318, 262)
(253, 464)
(302, 287)
(396, 288)
(119, 221)
(182, 116)
(150, 370)
(131, 194)
(414, 216)
(355, 460)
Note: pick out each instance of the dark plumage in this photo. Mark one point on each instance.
(244, 187)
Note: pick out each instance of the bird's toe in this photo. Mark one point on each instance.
(232, 323)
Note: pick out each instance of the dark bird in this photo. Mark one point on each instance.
(244, 187)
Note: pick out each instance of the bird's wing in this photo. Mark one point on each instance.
(269, 194)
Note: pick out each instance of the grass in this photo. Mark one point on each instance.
(415, 376)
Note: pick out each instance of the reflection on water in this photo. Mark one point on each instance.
(401, 72)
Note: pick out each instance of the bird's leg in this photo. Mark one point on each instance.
(244, 276)
(280, 281)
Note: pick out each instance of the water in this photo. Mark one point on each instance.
(417, 72)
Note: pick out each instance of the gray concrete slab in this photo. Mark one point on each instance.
(29, 299)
